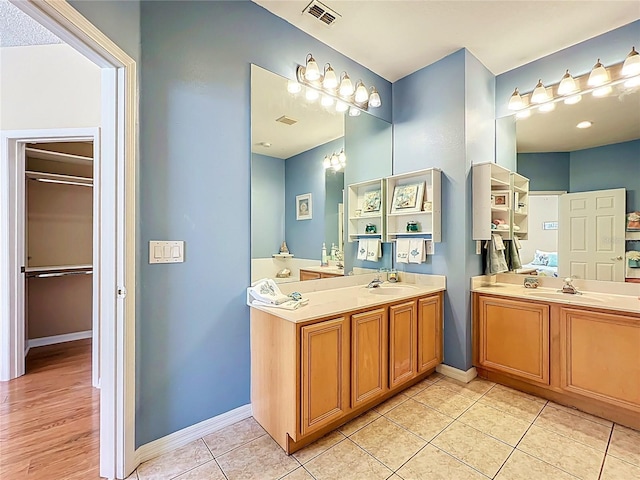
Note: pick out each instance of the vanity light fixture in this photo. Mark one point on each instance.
(341, 90)
(540, 94)
(598, 76)
(567, 85)
(336, 161)
(600, 81)
(631, 65)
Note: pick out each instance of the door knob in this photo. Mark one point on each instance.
(616, 258)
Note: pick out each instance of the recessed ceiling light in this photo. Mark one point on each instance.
(265, 144)
(585, 124)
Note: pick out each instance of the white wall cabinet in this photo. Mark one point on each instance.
(366, 206)
(499, 196)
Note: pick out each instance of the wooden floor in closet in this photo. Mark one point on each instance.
(49, 418)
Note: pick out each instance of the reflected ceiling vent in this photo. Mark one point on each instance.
(322, 12)
(286, 120)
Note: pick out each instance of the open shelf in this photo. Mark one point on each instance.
(57, 156)
(363, 196)
(59, 178)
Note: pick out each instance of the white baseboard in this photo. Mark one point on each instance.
(456, 374)
(187, 435)
(67, 337)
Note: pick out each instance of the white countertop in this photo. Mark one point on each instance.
(329, 269)
(589, 298)
(350, 293)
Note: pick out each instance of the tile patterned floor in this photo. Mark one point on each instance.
(438, 429)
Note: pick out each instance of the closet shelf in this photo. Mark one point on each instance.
(59, 178)
(57, 268)
(406, 214)
(57, 156)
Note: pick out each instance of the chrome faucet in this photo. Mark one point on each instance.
(375, 283)
(569, 288)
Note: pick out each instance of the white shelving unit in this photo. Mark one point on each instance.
(357, 223)
(429, 221)
(499, 194)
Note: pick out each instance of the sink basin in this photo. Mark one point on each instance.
(393, 290)
(585, 298)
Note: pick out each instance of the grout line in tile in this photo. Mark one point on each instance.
(574, 439)
(193, 468)
(310, 474)
(411, 457)
(236, 447)
(606, 450)
(368, 454)
(224, 474)
(460, 460)
(413, 433)
(573, 411)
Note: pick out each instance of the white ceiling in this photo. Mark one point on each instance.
(394, 38)
(17, 29)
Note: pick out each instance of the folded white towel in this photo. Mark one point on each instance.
(402, 250)
(267, 291)
(374, 250)
(362, 249)
(416, 250)
(288, 305)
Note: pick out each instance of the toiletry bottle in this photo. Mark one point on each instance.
(332, 255)
(323, 261)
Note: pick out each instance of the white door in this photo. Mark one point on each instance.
(591, 235)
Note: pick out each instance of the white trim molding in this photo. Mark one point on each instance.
(54, 339)
(187, 435)
(457, 374)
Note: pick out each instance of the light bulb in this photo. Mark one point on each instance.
(311, 94)
(330, 81)
(598, 75)
(602, 91)
(572, 100)
(584, 124)
(334, 160)
(547, 107)
(293, 86)
(341, 107)
(311, 71)
(361, 93)
(326, 101)
(342, 157)
(354, 112)
(540, 94)
(374, 98)
(523, 114)
(631, 65)
(326, 163)
(567, 85)
(515, 102)
(346, 87)
(632, 82)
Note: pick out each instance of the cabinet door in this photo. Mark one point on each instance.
(429, 332)
(308, 275)
(369, 361)
(325, 373)
(514, 338)
(600, 356)
(403, 330)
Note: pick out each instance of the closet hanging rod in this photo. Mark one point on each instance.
(59, 274)
(63, 182)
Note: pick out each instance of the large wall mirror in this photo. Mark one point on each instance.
(290, 138)
(557, 155)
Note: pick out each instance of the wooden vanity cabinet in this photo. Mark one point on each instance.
(324, 373)
(309, 378)
(369, 347)
(309, 275)
(600, 356)
(513, 337)
(403, 343)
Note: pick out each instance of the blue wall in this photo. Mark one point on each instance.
(610, 166)
(304, 173)
(430, 130)
(267, 205)
(545, 171)
(193, 330)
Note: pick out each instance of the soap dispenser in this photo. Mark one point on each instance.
(332, 255)
(323, 261)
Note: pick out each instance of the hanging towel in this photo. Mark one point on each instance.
(267, 291)
(495, 261)
(290, 304)
(402, 250)
(374, 250)
(512, 255)
(362, 249)
(417, 252)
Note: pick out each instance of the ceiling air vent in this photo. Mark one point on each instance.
(322, 12)
(286, 120)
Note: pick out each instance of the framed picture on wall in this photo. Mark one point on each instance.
(372, 201)
(303, 207)
(407, 198)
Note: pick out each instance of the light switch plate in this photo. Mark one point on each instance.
(166, 251)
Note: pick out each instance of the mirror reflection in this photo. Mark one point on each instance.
(571, 164)
(296, 165)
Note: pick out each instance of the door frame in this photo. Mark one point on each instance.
(117, 238)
